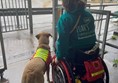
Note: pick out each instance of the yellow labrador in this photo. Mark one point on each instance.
(39, 64)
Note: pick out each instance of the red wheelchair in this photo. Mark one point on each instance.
(63, 72)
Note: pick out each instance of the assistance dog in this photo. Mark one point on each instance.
(39, 63)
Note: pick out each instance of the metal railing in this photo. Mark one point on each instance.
(3, 53)
(9, 13)
(105, 27)
(10, 20)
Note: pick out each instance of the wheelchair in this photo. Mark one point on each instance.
(63, 73)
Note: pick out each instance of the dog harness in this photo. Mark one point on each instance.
(43, 54)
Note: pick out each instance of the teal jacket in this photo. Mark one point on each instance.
(82, 37)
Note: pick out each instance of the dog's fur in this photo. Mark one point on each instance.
(36, 67)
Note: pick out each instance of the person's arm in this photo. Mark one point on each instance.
(62, 43)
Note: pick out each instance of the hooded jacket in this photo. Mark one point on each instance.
(82, 37)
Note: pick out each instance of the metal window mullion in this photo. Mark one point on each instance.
(26, 13)
(2, 46)
(30, 16)
(105, 33)
(55, 10)
(100, 26)
(14, 16)
(11, 14)
(17, 17)
(23, 16)
(3, 16)
(20, 16)
(8, 25)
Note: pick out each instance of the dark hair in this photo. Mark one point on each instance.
(71, 4)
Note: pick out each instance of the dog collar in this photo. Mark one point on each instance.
(42, 53)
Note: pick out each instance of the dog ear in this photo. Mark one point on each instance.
(37, 36)
(49, 35)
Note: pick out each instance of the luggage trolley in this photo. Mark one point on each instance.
(3, 53)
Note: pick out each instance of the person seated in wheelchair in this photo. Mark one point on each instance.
(76, 36)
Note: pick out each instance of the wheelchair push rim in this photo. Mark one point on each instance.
(62, 71)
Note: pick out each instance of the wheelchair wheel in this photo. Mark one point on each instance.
(61, 73)
(106, 77)
(58, 75)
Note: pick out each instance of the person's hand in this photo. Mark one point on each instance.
(55, 60)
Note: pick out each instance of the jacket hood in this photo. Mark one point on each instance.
(76, 10)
